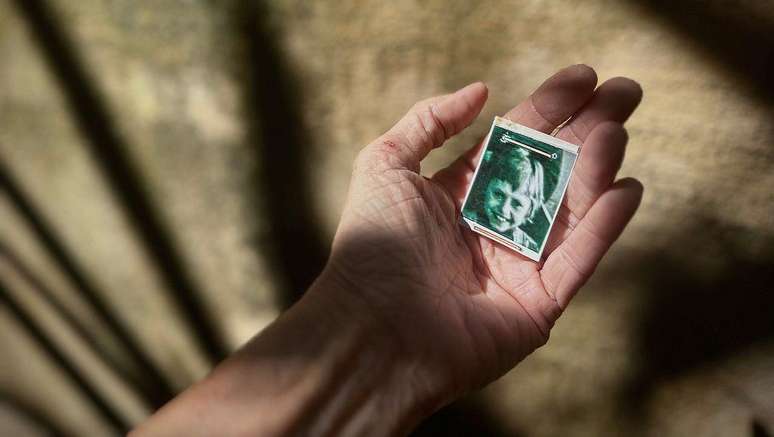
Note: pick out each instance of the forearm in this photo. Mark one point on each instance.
(320, 369)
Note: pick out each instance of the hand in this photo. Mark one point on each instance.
(462, 308)
(413, 309)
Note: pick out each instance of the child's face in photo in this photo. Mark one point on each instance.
(506, 206)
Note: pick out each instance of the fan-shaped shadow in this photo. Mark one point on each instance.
(157, 389)
(111, 153)
(151, 387)
(56, 354)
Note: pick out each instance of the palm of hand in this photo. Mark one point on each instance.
(470, 308)
(445, 289)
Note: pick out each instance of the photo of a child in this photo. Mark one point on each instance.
(518, 186)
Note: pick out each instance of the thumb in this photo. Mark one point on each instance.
(426, 126)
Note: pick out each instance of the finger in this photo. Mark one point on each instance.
(426, 126)
(547, 107)
(614, 100)
(557, 99)
(553, 102)
(572, 263)
(598, 163)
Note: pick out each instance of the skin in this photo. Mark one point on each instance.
(413, 310)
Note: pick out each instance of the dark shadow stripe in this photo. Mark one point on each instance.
(32, 414)
(81, 283)
(284, 154)
(758, 429)
(110, 151)
(61, 360)
(155, 391)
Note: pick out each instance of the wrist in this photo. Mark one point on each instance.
(325, 367)
(386, 388)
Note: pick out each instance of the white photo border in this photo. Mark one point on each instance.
(544, 138)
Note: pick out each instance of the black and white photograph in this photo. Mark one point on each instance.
(519, 186)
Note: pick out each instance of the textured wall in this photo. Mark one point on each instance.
(172, 171)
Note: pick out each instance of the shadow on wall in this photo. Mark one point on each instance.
(701, 308)
(694, 316)
(709, 314)
(466, 417)
(110, 151)
(737, 36)
(28, 416)
(700, 315)
(283, 148)
(147, 380)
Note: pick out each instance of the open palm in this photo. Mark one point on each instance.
(463, 307)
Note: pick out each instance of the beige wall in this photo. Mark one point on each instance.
(673, 336)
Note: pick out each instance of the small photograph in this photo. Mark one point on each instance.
(518, 186)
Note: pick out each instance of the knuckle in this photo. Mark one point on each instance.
(544, 337)
(429, 125)
(376, 157)
(612, 131)
(422, 104)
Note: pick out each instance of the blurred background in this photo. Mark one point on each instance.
(172, 171)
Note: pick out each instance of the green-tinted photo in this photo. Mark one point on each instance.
(519, 186)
